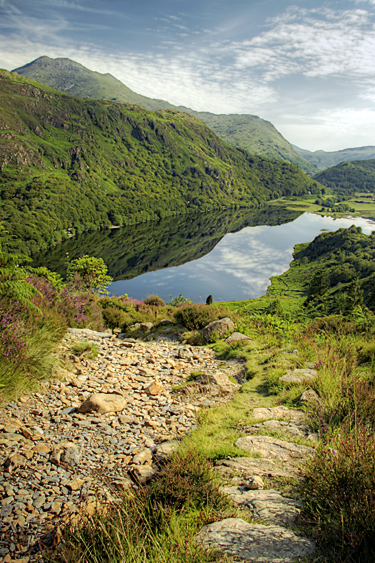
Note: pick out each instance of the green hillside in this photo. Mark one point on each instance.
(69, 165)
(247, 131)
(332, 274)
(350, 177)
(322, 160)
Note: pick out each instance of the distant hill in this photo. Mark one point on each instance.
(350, 177)
(247, 131)
(69, 165)
(322, 160)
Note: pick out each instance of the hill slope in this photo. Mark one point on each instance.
(322, 160)
(350, 177)
(247, 131)
(73, 164)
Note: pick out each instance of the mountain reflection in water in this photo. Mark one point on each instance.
(230, 255)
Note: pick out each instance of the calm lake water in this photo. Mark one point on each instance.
(240, 265)
(230, 256)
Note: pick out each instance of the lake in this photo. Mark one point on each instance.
(228, 255)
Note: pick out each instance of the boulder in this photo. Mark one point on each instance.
(238, 337)
(254, 542)
(146, 326)
(299, 376)
(220, 327)
(102, 403)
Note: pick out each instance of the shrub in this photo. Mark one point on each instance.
(92, 273)
(339, 490)
(154, 300)
(195, 317)
(114, 317)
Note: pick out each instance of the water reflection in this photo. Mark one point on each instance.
(240, 265)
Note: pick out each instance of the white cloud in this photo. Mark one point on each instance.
(319, 46)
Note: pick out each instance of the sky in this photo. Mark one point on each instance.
(306, 66)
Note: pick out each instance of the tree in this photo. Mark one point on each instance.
(13, 283)
(92, 272)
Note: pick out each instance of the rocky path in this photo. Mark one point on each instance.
(103, 424)
(98, 427)
(252, 482)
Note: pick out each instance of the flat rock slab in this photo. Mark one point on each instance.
(299, 376)
(294, 428)
(245, 467)
(267, 505)
(281, 412)
(254, 542)
(274, 448)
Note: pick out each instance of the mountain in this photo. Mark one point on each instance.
(69, 165)
(350, 177)
(322, 160)
(247, 131)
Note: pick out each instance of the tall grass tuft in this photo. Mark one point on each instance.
(154, 524)
(339, 489)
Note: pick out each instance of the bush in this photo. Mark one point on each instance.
(339, 490)
(195, 317)
(154, 300)
(114, 317)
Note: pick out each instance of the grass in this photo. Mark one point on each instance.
(154, 524)
(85, 349)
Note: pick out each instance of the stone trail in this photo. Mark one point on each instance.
(57, 455)
(271, 541)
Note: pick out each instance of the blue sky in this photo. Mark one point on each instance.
(307, 66)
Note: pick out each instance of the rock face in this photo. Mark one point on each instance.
(102, 403)
(254, 542)
(299, 376)
(274, 448)
(238, 337)
(220, 327)
(267, 505)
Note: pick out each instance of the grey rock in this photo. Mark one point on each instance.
(254, 542)
(238, 337)
(274, 448)
(267, 505)
(220, 327)
(248, 466)
(263, 413)
(71, 455)
(299, 376)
